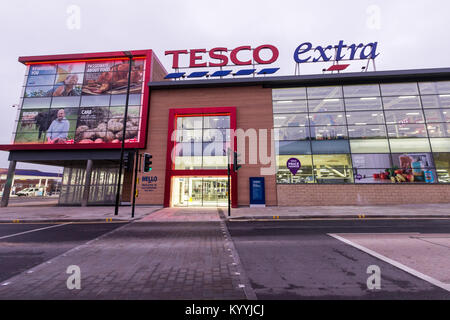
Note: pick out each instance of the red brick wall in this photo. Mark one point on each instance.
(253, 108)
(158, 71)
(315, 195)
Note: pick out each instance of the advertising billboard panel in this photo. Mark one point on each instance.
(81, 102)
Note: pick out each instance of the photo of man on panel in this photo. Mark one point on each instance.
(59, 129)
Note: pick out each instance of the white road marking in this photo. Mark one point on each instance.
(397, 264)
(34, 230)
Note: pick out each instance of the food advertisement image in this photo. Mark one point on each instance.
(112, 78)
(100, 125)
(80, 102)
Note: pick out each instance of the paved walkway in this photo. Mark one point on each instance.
(160, 260)
(399, 211)
(182, 214)
(32, 213)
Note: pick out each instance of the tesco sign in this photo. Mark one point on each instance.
(246, 55)
(219, 57)
(305, 52)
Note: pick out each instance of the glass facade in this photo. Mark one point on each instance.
(199, 192)
(80, 102)
(371, 133)
(201, 142)
(103, 185)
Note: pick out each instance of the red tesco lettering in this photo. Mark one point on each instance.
(220, 59)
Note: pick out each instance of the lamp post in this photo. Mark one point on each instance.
(122, 149)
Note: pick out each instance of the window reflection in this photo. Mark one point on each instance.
(367, 90)
(324, 92)
(325, 105)
(337, 118)
(393, 89)
(401, 102)
(400, 121)
(290, 106)
(365, 103)
(436, 101)
(436, 87)
(437, 115)
(201, 142)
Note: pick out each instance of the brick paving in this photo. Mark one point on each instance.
(34, 212)
(147, 260)
(183, 214)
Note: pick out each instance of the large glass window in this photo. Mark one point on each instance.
(328, 132)
(371, 168)
(202, 142)
(437, 130)
(324, 92)
(437, 115)
(368, 121)
(288, 120)
(365, 117)
(365, 90)
(290, 106)
(326, 105)
(406, 130)
(324, 119)
(367, 131)
(404, 116)
(436, 101)
(365, 103)
(442, 162)
(436, 87)
(335, 168)
(402, 102)
(303, 175)
(395, 89)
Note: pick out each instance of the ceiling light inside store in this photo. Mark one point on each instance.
(330, 100)
(284, 101)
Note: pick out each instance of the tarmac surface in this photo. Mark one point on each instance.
(225, 260)
(38, 212)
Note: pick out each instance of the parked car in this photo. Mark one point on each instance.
(28, 192)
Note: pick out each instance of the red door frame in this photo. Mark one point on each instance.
(171, 172)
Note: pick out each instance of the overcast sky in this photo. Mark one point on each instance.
(411, 34)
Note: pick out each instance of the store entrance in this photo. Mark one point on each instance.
(199, 192)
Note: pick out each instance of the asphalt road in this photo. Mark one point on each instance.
(21, 250)
(183, 260)
(298, 260)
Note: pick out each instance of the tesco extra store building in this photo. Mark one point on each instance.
(356, 138)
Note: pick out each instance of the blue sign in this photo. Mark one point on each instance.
(306, 53)
(257, 190)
